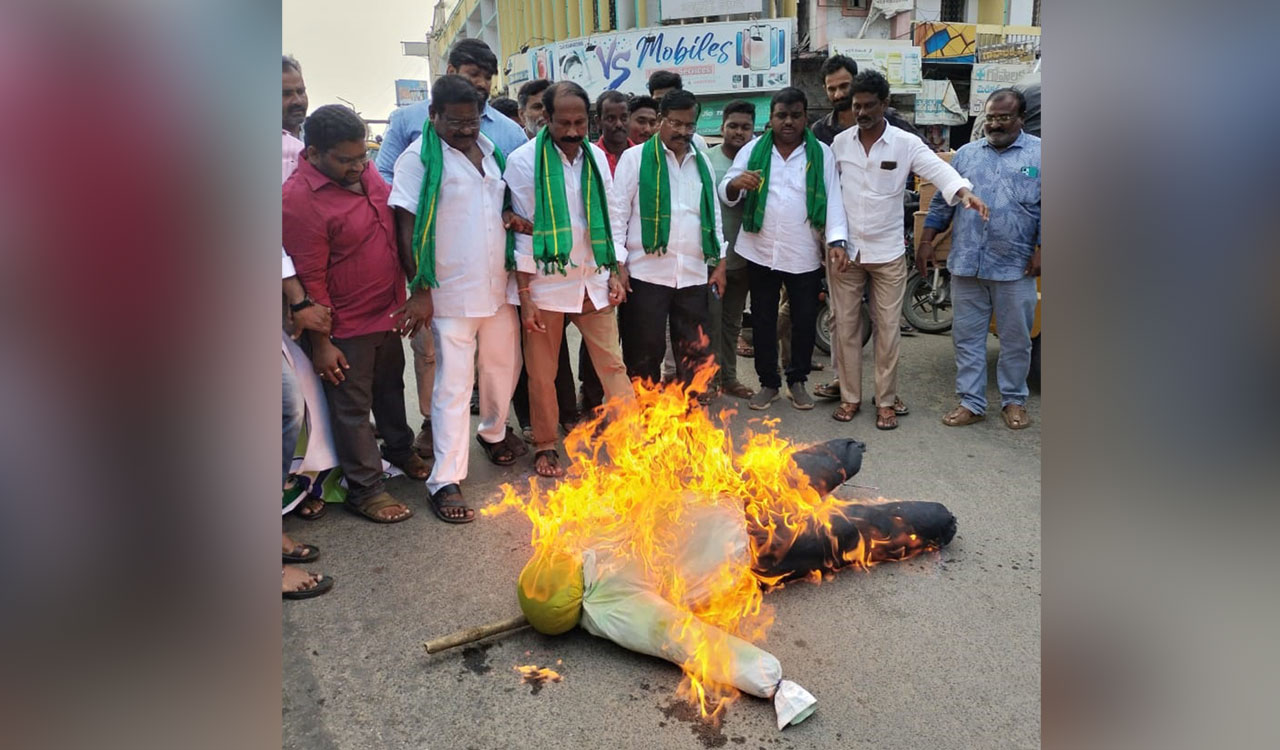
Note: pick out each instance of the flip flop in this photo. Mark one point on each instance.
(309, 553)
(324, 507)
(554, 457)
(322, 586)
(439, 500)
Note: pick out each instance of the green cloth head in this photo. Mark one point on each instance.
(550, 592)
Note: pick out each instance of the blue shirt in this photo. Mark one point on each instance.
(1009, 183)
(405, 125)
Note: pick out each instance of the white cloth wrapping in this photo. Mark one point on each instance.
(620, 604)
(320, 453)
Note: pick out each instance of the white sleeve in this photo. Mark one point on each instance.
(739, 166)
(837, 225)
(626, 181)
(931, 167)
(286, 266)
(406, 185)
(519, 179)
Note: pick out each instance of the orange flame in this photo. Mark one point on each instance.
(640, 471)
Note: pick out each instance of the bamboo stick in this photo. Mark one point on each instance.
(471, 635)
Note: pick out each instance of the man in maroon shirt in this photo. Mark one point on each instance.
(341, 235)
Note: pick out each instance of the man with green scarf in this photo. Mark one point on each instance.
(567, 266)
(447, 192)
(666, 224)
(792, 212)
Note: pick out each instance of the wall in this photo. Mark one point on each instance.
(826, 24)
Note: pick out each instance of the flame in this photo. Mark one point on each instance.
(639, 471)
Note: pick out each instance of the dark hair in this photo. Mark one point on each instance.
(839, 62)
(1014, 93)
(642, 102)
(532, 88)
(332, 124)
(677, 99)
(664, 79)
(870, 82)
(739, 107)
(789, 95)
(563, 88)
(611, 95)
(291, 64)
(452, 89)
(472, 51)
(506, 105)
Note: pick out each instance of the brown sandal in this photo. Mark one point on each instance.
(552, 458)
(1015, 417)
(311, 508)
(886, 419)
(845, 412)
(960, 416)
(738, 390)
(415, 467)
(899, 407)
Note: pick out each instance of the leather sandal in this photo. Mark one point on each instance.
(899, 407)
(846, 411)
(960, 416)
(886, 419)
(738, 390)
(1015, 417)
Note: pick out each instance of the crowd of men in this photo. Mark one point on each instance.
(485, 228)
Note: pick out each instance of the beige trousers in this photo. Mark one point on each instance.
(424, 368)
(599, 329)
(888, 283)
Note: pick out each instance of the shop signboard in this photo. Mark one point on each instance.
(409, 91)
(1008, 44)
(988, 77)
(897, 59)
(711, 58)
(938, 104)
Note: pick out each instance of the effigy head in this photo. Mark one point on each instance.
(550, 591)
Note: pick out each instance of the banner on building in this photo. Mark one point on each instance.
(937, 104)
(988, 77)
(711, 116)
(896, 59)
(890, 7)
(1009, 44)
(676, 9)
(947, 42)
(409, 91)
(712, 58)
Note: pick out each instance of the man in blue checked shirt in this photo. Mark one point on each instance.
(472, 59)
(993, 264)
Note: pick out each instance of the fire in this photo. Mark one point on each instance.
(641, 473)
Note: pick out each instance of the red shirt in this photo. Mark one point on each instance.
(612, 157)
(343, 245)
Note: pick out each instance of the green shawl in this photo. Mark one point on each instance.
(815, 193)
(655, 201)
(424, 224)
(552, 233)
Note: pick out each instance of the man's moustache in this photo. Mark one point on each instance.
(842, 103)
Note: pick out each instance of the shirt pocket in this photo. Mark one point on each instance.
(886, 181)
(1025, 187)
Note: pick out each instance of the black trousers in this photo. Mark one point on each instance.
(643, 326)
(566, 396)
(374, 383)
(803, 290)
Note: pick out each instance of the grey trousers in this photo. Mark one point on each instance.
(726, 323)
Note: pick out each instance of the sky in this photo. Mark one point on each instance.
(352, 49)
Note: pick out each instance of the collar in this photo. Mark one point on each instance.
(884, 136)
(600, 143)
(1018, 142)
(316, 179)
(486, 145)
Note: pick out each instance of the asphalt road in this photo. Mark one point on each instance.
(942, 651)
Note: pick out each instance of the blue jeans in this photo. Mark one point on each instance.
(1014, 305)
(292, 418)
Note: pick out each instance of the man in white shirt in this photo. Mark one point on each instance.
(874, 160)
(448, 192)
(667, 256)
(568, 265)
(792, 211)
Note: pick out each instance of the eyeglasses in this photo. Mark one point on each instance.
(469, 124)
(681, 127)
(1001, 119)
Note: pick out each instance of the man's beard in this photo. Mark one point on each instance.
(843, 104)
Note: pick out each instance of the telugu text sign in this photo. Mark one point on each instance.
(675, 9)
(988, 77)
(713, 58)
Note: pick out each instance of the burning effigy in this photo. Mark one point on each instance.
(663, 538)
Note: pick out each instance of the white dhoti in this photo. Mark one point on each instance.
(320, 453)
(460, 343)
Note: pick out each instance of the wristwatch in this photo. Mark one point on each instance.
(840, 244)
(304, 304)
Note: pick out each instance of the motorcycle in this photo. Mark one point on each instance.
(827, 320)
(926, 303)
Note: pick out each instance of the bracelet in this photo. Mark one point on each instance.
(522, 289)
